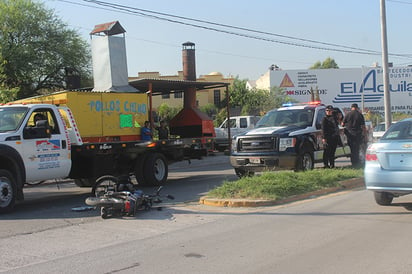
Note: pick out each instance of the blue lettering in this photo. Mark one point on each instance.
(347, 87)
(98, 106)
(126, 107)
(91, 104)
(133, 107)
(111, 106)
(141, 108)
(372, 87)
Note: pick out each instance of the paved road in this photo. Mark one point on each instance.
(332, 234)
(341, 233)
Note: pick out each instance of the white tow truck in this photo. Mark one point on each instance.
(53, 148)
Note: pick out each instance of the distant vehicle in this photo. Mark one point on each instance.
(379, 130)
(388, 165)
(238, 124)
(287, 138)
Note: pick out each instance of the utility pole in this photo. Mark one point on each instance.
(386, 92)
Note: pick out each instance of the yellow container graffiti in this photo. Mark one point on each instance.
(102, 116)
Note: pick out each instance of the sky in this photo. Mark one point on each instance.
(292, 34)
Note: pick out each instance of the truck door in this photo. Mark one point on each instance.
(241, 126)
(46, 156)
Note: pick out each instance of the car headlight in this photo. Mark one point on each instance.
(285, 143)
(234, 144)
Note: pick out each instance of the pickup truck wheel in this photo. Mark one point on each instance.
(8, 191)
(155, 169)
(305, 162)
(243, 173)
(383, 198)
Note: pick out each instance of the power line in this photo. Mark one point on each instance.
(144, 13)
(401, 2)
(231, 26)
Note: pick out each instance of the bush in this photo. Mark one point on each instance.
(282, 184)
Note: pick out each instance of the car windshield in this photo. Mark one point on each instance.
(11, 117)
(287, 117)
(400, 130)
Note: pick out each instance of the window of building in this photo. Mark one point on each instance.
(165, 95)
(216, 97)
(178, 94)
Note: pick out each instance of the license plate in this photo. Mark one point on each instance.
(254, 160)
(400, 160)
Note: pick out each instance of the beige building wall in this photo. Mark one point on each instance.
(203, 97)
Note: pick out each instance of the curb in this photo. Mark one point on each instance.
(344, 185)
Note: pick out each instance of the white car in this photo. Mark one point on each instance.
(388, 166)
(379, 130)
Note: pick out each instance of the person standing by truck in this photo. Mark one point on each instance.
(355, 130)
(146, 132)
(163, 131)
(330, 129)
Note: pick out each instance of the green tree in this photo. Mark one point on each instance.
(36, 48)
(220, 117)
(255, 101)
(327, 64)
(237, 92)
(279, 98)
(165, 112)
(209, 109)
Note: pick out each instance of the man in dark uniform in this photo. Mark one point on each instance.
(163, 131)
(330, 129)
(355, 130)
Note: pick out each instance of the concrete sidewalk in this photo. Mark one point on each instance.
(344, 185)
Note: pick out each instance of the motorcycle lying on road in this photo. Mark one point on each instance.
(118, 197)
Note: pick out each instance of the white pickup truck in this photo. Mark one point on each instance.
(238, 124)
(52, 148)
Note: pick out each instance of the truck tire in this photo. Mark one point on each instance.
(243, 173)
(383, 198)
(155, 169)
(139, 170)
(305, 162)
(8, 191)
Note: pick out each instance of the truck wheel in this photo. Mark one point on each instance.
(383, 198)
(84, 182)
(243, 173)
(8, 191)
(139, 170)
(305, 162)
(155, 169)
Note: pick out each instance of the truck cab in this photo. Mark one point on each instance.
(30, 149)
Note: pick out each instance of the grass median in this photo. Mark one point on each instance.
(283, 184)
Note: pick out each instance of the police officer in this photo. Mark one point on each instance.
(355, 130)
(330, 129)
